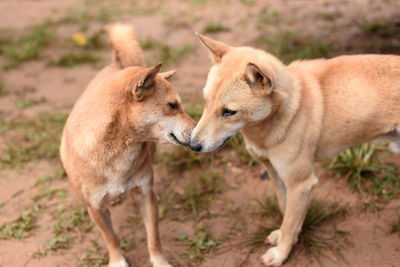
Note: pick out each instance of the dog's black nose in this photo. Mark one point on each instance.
(195, 146)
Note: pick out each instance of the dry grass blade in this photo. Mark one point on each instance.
(314, 240)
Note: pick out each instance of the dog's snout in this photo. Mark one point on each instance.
(195, 146)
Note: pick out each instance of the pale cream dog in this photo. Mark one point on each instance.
(108, 141)
(292, 115)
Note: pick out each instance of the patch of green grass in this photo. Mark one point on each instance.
(200, 244)
(183, 159)
(78, 221)
(30, 139)
(195, 199)
(314, 240)
(214, 27)
(5, 39)
(90, 12)
(106, 13)
(267, 18)
(56, 243)
(3, 90)
(197, 2)
(19, 227)
(237, 143)
(25, 90)
(24, 104)
(65, 227)
(248, 2)
(329, 16)
(200, 193)
(86, 12)
(396, 228)
(372, 27)
(94, 41)
(363, 167)
(82, 50)
(50, 193)
(270, 209)
(91, 258)
(289, 46)
(73, 59)
(384, 29)
(59, 174)
(28, 46)
(76, 16)
(195, 110)
(124, 244)
(164, 52)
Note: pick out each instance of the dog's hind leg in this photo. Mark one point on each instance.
(150, 217)
(102, 219)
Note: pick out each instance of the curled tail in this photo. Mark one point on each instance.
(127, 51)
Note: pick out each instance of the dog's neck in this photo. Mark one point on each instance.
(118, 131)
(271, 131)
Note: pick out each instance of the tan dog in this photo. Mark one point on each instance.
(107, 144)
(293, 115)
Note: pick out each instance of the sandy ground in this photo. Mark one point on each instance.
(231, 216)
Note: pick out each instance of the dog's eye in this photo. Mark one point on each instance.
(173, 106)
(228, 112)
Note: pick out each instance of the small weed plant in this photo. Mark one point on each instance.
(314, 240)
(363, 167)
(201, 243)
(19, 227)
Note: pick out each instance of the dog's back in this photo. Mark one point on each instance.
(360, 96)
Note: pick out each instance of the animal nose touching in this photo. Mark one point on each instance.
(196, 146)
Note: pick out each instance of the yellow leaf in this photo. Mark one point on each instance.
(79, 39)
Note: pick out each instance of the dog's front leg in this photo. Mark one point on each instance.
(102, 218)
(280, 188)
(298, 198)
(150, 217)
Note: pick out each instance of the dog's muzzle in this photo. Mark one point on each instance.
(195, 146)
(177, 140)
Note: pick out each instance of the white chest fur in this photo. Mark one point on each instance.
(127, 171)
(277, 156)
(256, 151)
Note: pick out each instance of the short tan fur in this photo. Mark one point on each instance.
(109, 139)
(292, 115)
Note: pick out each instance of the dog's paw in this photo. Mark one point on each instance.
(120, 263)
(274, 237)
(273, 257)
(160, 261)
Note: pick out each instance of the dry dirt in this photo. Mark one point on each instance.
(231, 215)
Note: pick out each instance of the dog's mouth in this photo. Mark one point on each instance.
(176, 140)
(224, 142)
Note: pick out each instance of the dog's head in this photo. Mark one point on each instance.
(154, 107)
(244, 86)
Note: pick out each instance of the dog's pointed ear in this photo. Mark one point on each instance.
(217, 49)
(257, 79)
(168, 74)
(145, 86)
